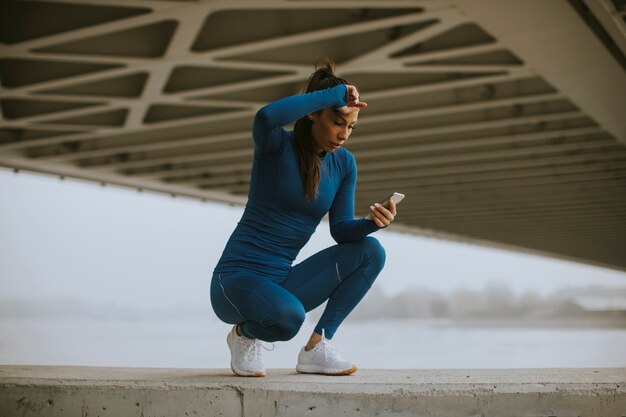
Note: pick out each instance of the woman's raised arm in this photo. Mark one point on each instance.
(267, 138)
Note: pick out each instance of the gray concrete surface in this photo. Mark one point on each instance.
(92, 391)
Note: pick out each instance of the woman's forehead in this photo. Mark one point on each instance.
(349, 118)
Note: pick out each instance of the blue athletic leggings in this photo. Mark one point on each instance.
(273, 310)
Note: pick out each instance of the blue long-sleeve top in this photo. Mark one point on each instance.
(278, 221)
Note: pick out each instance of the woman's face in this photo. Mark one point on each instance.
(330, 129)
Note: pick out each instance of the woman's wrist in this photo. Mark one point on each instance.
(341, 92)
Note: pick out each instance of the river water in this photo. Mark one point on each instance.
(199, 342)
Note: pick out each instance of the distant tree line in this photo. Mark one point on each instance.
(494, 301)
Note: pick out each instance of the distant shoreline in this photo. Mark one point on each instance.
(429, 310)
(605, 320)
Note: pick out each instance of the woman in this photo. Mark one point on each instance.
(297, 177)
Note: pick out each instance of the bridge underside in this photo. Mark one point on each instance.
(502, 121)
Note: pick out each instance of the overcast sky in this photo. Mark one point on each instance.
(75, 239)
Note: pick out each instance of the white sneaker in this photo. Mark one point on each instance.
(323, 359)
(245, 354)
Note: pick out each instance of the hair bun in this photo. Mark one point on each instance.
(325, 65)
(323, 76)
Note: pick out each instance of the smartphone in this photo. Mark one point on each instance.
(396, 197)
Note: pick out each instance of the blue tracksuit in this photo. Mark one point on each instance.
(254, 283)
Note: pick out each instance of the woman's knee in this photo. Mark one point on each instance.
(287, 321)
(375, 252)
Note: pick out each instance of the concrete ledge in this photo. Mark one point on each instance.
(91, 391)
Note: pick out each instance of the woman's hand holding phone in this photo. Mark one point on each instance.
(383, 213)
(382, 216)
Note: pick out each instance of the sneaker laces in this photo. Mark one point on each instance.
(253, 348)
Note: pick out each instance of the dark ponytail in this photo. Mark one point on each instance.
(323, 77)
